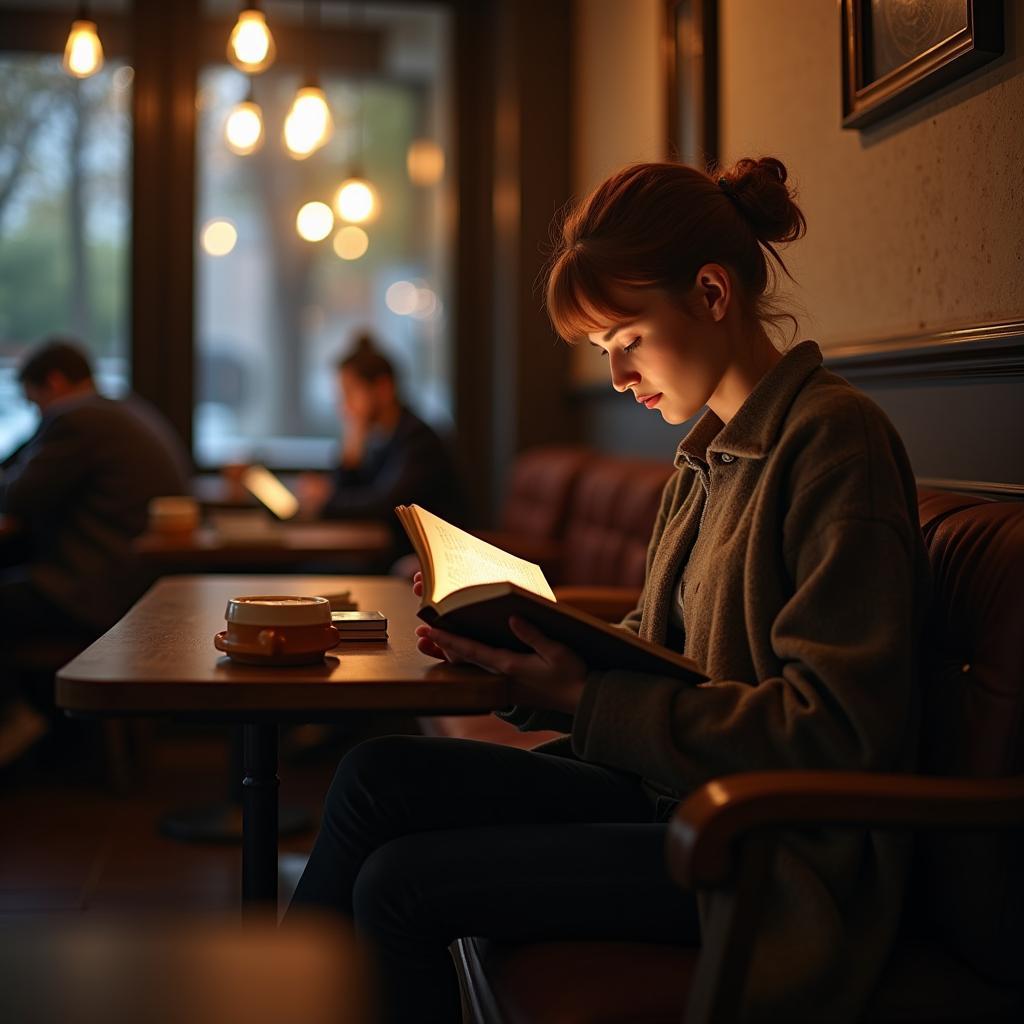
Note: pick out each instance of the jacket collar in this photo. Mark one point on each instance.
(753, 430)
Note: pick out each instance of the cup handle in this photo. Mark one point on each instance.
(270, 640)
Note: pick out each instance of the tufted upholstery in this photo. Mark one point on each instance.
(536, 505)
(540, 487)
(611, 516)
(962, 954)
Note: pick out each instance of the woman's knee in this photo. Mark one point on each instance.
(375, 782)
(372, 760)
(364, 772)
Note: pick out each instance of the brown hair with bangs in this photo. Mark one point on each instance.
(655, 225)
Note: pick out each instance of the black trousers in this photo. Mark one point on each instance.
(427, 840)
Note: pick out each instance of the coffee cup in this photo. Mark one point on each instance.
(277, 629)
(173, 513)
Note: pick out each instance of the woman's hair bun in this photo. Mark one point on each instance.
(365, 359)
(364, 343)
(759, 189)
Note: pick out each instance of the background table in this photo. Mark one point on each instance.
(160, 660)
(206, 549)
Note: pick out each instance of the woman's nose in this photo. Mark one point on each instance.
(623, 377)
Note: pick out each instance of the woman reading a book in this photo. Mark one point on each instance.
(786, 561)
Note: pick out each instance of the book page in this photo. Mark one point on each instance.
(461, 560)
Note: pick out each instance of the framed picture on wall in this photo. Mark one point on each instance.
(691, 62)
(896, 51)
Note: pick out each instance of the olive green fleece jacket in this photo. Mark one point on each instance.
(789, 538)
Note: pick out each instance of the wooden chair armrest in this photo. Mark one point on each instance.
(608, 603)
(706, 827)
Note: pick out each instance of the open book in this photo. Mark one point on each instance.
(470, 588)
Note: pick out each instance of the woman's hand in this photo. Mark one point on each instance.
(550, 678)
(425, 645)
(357, 429)
(312, 490)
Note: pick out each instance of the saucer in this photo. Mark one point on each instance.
(245, 655)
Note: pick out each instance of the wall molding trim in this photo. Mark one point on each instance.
(980, 351)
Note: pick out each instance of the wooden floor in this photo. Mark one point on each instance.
(73, 846)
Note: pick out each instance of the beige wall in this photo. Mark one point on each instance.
(618, 105)
(618, 94)
(915, 224)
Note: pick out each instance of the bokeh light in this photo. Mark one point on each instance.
(251, 46)
(424, 162)
(83, 52)
(219, 237)
(426, 304)
(314, 221)
(244, 128)
(401, 298)
(308, 124)
(356, 201)
(351, 242)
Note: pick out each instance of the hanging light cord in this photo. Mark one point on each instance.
(311, 32)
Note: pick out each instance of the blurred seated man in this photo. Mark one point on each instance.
(389, 455)
(77, 491)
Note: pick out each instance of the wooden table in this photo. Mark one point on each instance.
(160, 660)
(207, 549)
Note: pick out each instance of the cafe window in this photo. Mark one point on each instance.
(287, 274)
(65, 220)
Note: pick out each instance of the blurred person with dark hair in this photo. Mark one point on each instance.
(77, 491)
(389, 456)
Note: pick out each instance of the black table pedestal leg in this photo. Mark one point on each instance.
(259, 819)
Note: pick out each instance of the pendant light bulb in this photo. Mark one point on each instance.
(308, 124)
(251, 46)
(243, 129)
(356, 201)
(83, 52)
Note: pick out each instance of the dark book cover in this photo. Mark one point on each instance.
(482, 613)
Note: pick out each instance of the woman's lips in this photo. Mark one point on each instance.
(651, 400)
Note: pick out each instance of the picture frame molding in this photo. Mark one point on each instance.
(971, 47)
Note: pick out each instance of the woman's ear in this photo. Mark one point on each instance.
(714, 290)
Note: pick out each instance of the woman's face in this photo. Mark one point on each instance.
(672, 358)
(358, 401)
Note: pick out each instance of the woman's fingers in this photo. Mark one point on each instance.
(494, 659)
(429, 648)
(426, 645)
(550, 650)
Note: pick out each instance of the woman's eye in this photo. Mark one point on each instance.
(629, 348)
